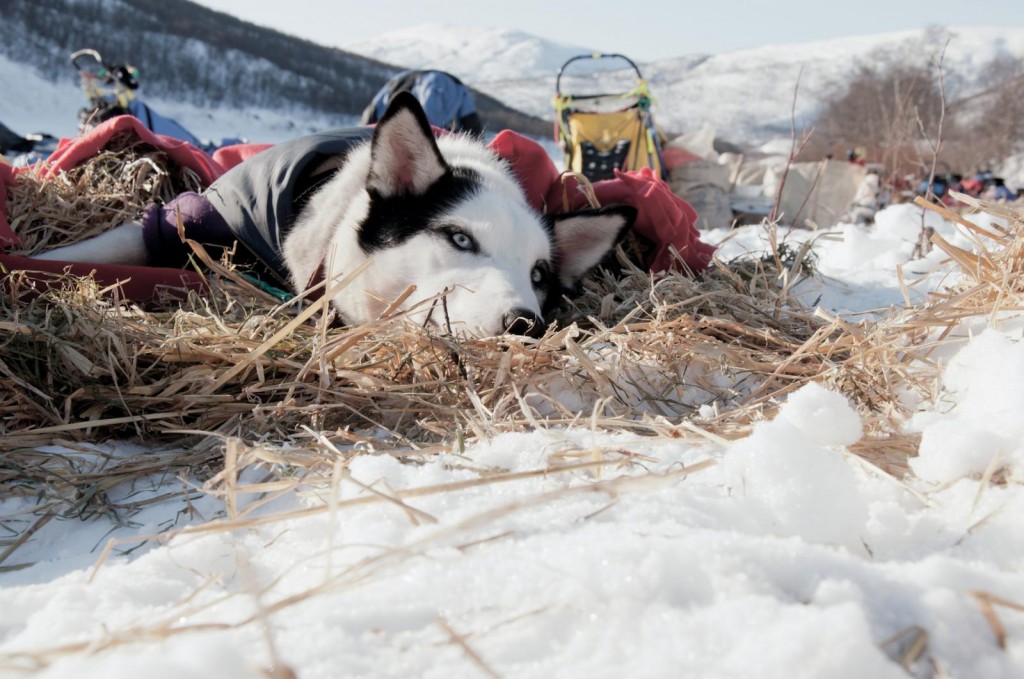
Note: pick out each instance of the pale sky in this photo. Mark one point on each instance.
(645, 30)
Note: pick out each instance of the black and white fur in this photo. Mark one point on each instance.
(445, 215)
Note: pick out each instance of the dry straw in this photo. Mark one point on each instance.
(669, 355)
(50, 210)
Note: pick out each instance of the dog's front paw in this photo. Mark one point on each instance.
(123, 244)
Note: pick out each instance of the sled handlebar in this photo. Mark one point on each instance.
(595, 55)
(96, 56)
(124, 74)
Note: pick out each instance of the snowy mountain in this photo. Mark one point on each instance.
(483, 55)
(747, 95)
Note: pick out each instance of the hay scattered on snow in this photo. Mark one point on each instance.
(668, 356)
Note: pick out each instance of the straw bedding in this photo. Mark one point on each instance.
(109, 189)
(667, 355)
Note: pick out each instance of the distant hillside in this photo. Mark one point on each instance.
(186, 52)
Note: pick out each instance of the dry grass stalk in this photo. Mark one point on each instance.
(987, 603)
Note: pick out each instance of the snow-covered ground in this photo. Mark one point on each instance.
(776, 555)
(857, 265)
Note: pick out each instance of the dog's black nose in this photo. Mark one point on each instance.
(523, 322)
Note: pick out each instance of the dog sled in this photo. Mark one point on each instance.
(111, 92)
(602, 132)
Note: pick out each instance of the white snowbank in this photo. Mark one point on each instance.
(787, 558)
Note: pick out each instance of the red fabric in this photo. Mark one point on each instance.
(138, 283)
(673, 157)
(972, 187)
(229, 156)
(8, 178)
(71, 152)
(533, 167)
(663, 218)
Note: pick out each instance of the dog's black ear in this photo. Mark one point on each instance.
(582, 239)
(404, 158)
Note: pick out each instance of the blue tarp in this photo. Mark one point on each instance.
(159, 124)
(445, 100)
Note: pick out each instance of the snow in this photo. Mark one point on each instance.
(1012, 170)
(859, 263)
(986, 426)
(787, 556)
(776, 555)
(488, 54)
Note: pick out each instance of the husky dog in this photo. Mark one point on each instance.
(443, 214)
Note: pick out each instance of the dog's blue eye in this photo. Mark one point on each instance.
(462, 241)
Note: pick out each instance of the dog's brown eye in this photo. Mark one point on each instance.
(462, 241)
